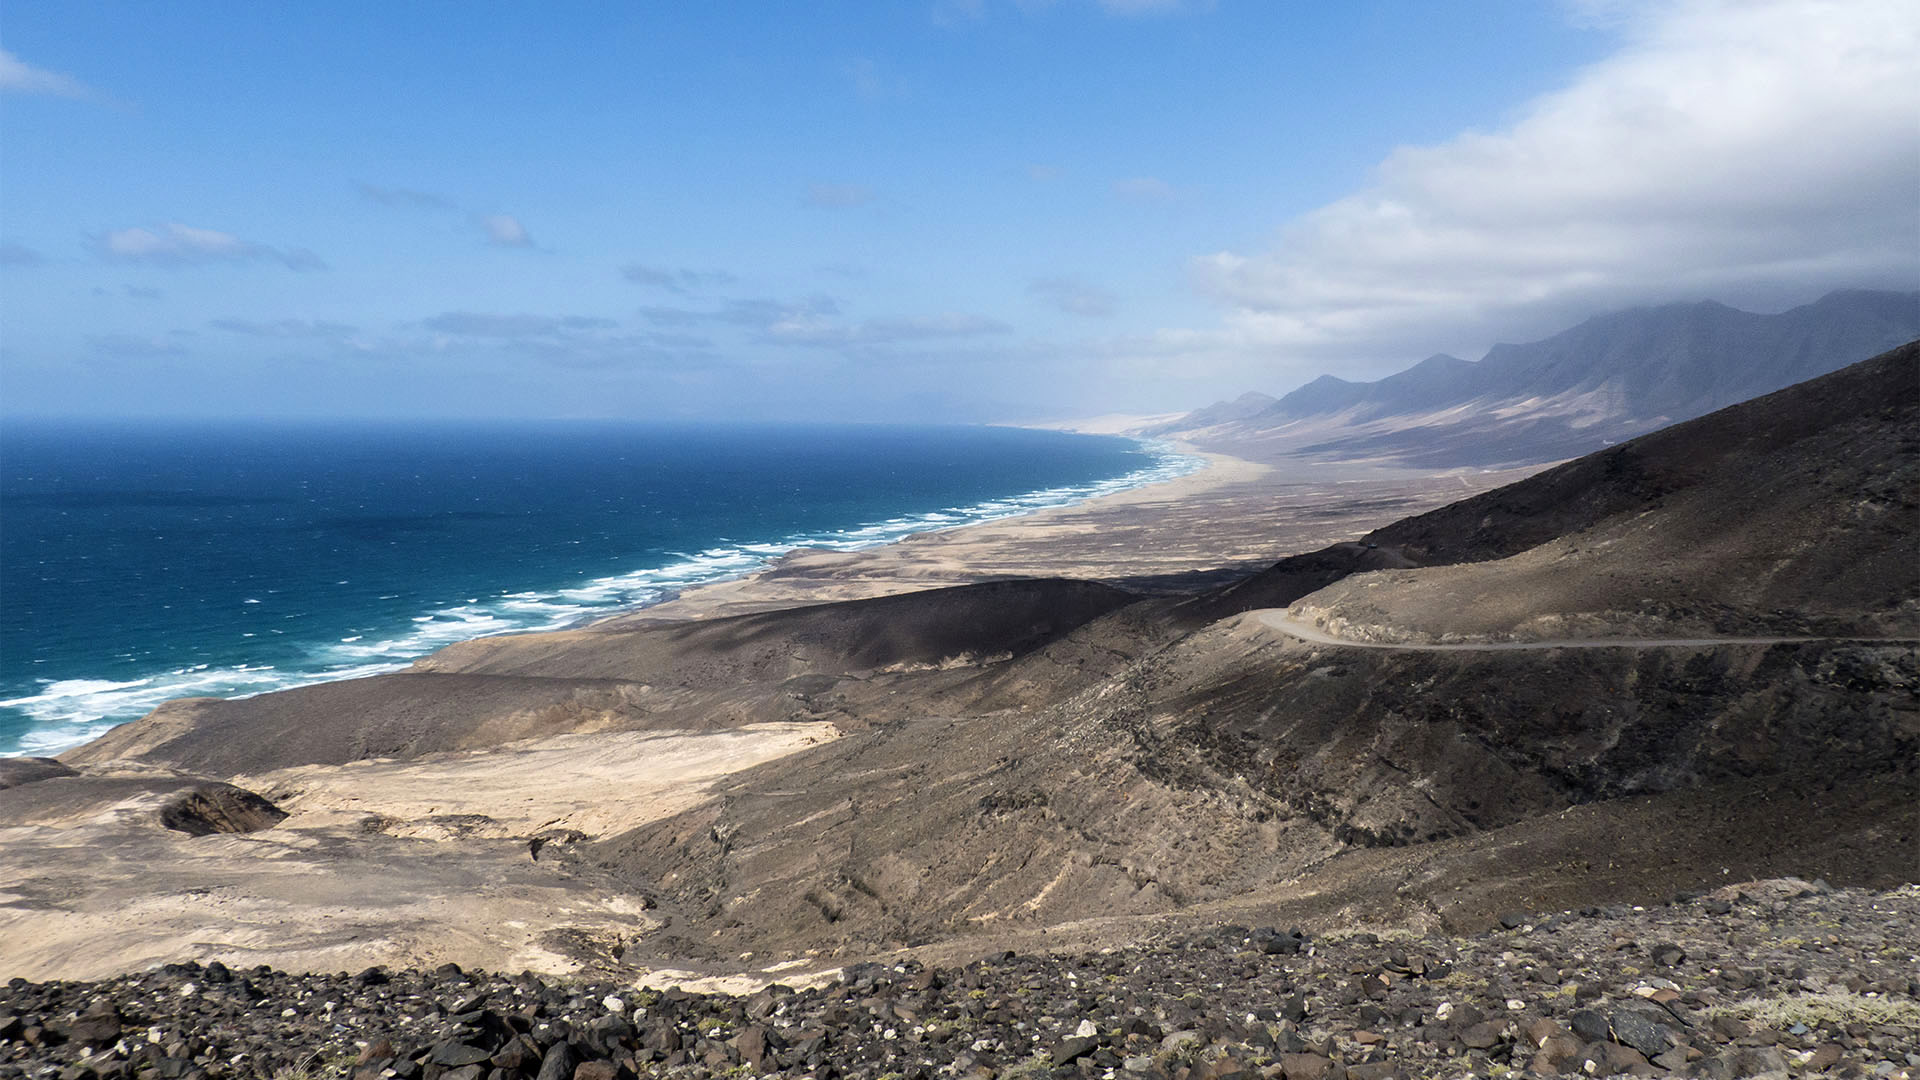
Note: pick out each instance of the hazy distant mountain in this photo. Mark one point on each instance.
(1250, 404)
(1610, 378)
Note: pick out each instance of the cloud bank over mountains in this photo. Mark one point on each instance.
(1745, 150)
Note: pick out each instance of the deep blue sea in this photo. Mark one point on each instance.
(140, 563)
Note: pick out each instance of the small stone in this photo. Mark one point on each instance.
(1482, 1036)
(1304, 1066)
(1731, 1027)
(1610, 1059)
(1073, 1049)
(1589, 1025)
(756, 1044)
(1543, 1029)
(97, 1026)
(1087, 1030)
(1825, 1056)
(614, 1003)
(455, 1054)
(1179, 1041)
(1642, 1031)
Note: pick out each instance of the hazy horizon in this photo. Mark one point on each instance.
(960, 210)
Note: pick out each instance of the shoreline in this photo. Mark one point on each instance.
(1164, 534)
(766, 556)
(754, 590)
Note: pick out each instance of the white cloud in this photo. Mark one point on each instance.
(1756, 151)
(505, 230)
(1073, 296)
(284, 328)
(807, 328)
(676, 279)
(489, 325)
(19, 77)
(177, 245)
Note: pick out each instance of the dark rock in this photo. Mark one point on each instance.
(1590, 1025)
(455, 1054)
(98, 1026)
(1304, 1066)
(559, 1063)
(1484, 1036)
(219, 808)
(756, 1044)
(1755, 1060)
(1514, 920)
(1644, 1031)
(1073, 1049)
(660, 1034)
(1667, 955)
(1610, 1059)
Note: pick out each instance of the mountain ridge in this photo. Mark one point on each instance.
(1611, 377)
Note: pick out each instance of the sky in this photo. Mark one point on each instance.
(922, 210)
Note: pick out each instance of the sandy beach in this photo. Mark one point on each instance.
(1232, 517)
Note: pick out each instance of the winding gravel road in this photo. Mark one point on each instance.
(1277, 619)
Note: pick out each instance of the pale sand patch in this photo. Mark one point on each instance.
(597, 783)
(739, 984)
(95, 894)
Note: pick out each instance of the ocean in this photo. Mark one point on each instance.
(145, 562)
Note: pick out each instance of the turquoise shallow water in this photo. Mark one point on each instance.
(140, 563)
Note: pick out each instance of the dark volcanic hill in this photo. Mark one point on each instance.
(1612, 377)
(1236, 762)
(1789, 512)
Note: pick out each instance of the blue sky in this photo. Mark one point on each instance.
(918, 210)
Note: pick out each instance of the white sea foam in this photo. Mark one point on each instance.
(69, 712)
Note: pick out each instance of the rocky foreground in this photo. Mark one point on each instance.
(1776, 978)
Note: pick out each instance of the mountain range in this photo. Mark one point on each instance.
(1610, 378)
